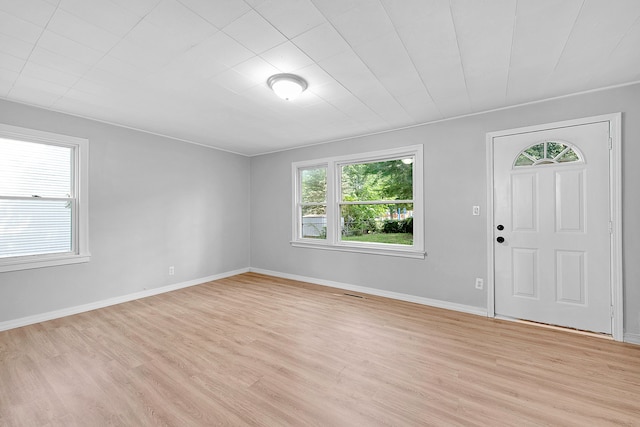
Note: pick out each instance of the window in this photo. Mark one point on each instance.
(548, 152)
(43, 199)
(368, 203)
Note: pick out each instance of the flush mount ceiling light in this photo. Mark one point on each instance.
(287, 86)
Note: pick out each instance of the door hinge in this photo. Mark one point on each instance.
(612, 312)
(610, 143)
(610, 227)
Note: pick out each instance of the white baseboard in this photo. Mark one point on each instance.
(56, 314)
(632, 338)
(378, 292)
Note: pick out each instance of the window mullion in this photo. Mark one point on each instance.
(332, 218)
(375, 202)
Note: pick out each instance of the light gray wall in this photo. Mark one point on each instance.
(153, 202)
(455, 180)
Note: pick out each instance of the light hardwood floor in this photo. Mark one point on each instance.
(258, 350)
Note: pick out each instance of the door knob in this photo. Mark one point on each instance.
(500, 239)
(500, 227)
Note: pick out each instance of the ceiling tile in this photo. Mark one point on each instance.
(485, 33)
(219, 13)
(110, 67)
(291, 17)
(140, 8)
(19, 28)
(15, 47)
(7, 79)
(257, 70)
(254, 32)
(35, 96)
(36, 91)
(106, 14)
(69, 48)
(330, 91)
(356, 109)
(233, 81)
(321, 42)
(50, 75)
(226, 50)
(332, 8)
(388, 60)
(11, 63)
(37, 12)
(150, 47)
(58, 62)
(363, 23)
(623, 64)
(179, 21)
(286, 58)
(538, 41)
(600, 27)
(428, 34)
(72, 27)
(89, 89)
(197, 64)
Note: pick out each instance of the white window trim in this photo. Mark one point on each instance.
(333, 241)
(80, 226)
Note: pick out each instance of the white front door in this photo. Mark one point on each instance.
(552, 226)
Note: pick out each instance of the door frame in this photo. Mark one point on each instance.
(615, 210)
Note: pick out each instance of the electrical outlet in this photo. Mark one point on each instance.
(476, 210)
(479, 283)
(172, 271)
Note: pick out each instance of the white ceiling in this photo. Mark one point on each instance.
(197, 69)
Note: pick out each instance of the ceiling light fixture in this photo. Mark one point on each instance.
(287, 86)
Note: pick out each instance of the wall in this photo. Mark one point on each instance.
(455, 180)
(153, 202)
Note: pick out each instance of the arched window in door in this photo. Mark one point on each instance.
(548, 152)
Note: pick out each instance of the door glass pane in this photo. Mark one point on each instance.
(29, 169)
(31, 227)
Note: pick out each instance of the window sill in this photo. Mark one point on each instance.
(376, 250)
(39, 261)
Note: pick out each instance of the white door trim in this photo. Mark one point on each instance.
(615, 211)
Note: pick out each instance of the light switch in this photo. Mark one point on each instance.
(476, 210)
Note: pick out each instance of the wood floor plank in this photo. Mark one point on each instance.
(263, 351)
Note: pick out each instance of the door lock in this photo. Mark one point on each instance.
(500, 227)
(500, 239)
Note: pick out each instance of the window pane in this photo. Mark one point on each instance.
(376, 223)
(29, 169)
(569, 156)
(388, 180)
(314, 185)
(314, 222)
(536, 151)
(523, 161)
(554, 148)
(30, 227)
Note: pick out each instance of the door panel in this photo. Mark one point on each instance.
(570, 201)
(570, 277)
(525, 201)
(554, 263)
(525, 272)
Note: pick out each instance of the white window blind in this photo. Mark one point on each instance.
(37, 200)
